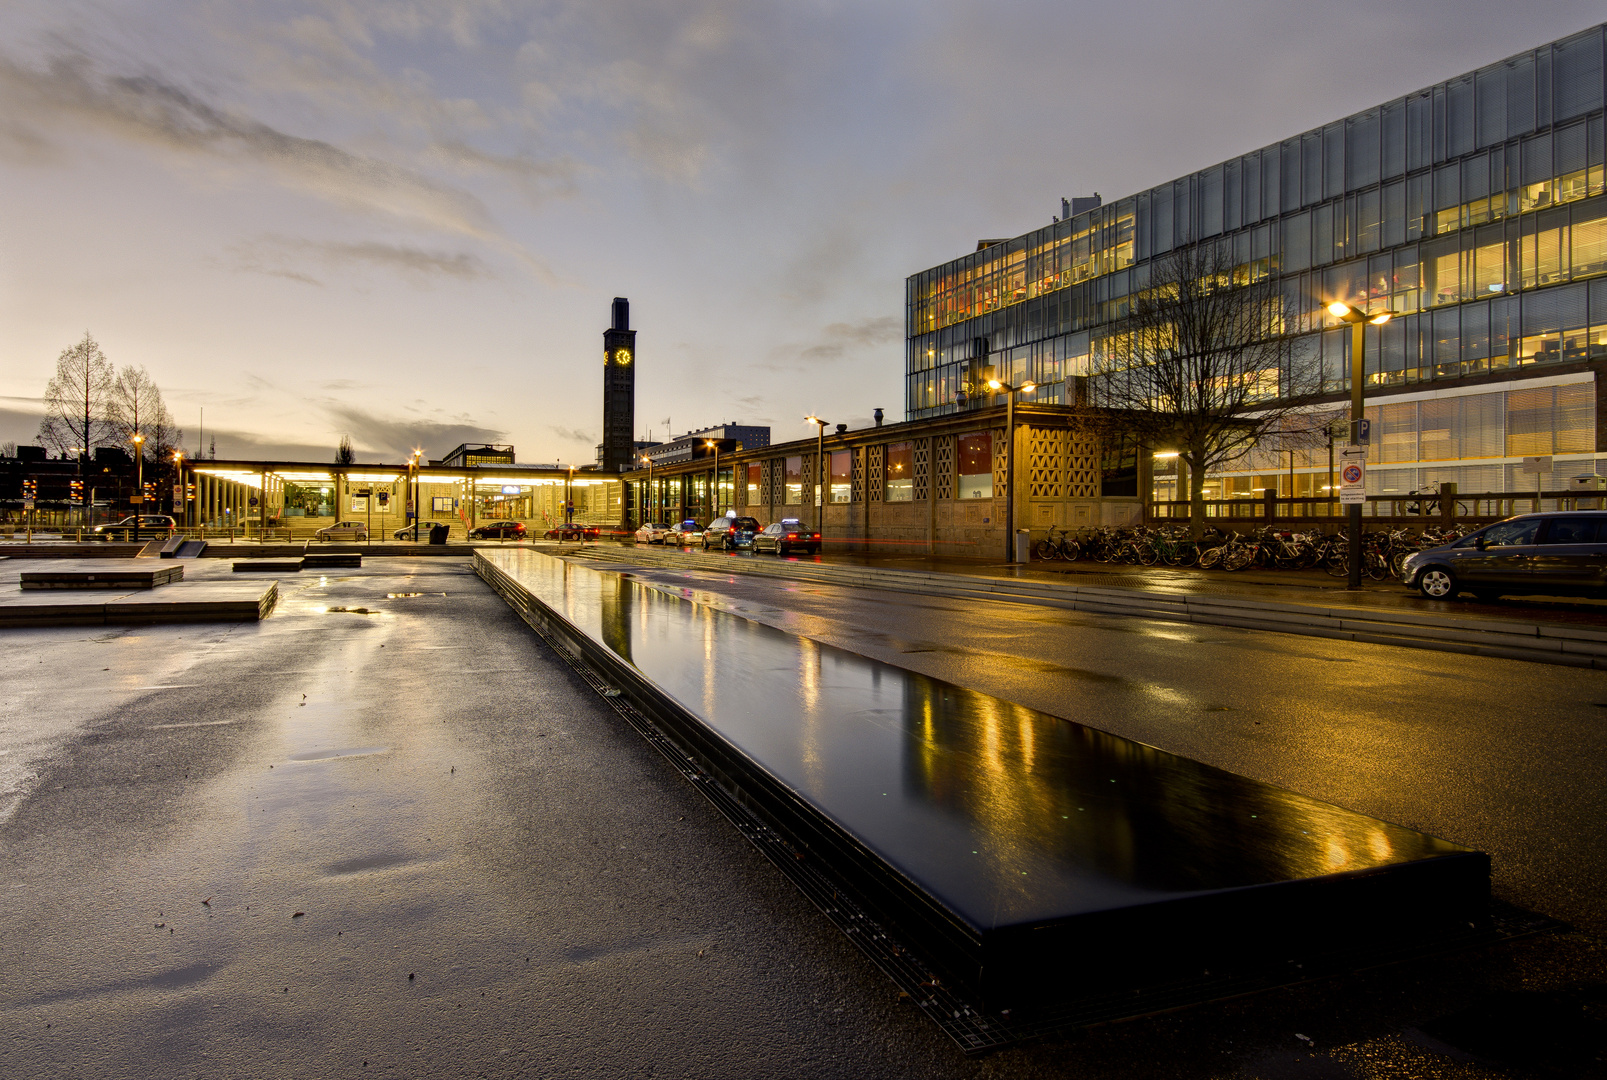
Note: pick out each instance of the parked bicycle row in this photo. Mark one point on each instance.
(1383, 551)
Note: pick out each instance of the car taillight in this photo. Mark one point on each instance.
(817, 536)
(792, 536)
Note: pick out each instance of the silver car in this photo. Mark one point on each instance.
(343, 530)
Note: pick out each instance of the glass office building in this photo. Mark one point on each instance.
(1473, 208)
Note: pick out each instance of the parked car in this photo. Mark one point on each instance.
(570, 531)
(684, 533)
(406, 531)
(1562, 553)
(498, 530)
(343, 530)
(152, 525)
(730, 533)
(786, 536)
(652, 532)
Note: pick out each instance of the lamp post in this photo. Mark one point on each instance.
(820, 451)
(179, 508)
(139, 480)
(1358, 320)
(1010, 460)
(569, 497)
(714, 484)
(648, 513)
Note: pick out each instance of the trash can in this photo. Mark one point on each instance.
(438, 533)
(1023, 546)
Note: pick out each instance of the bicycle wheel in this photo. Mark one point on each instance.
(1186, 553)
(1070, 549)
(1238, 558)
(1147, 554)
(1210, 557)
(1337, 564)
(1047, 551)
(1375, 566)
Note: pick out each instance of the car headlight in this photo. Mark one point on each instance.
(1408, 563)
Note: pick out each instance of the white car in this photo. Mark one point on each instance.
(343, 530)
(652, 533)
(684, 534)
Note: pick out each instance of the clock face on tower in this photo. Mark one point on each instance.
(622, 357)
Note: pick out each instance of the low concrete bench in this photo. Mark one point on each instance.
(104, 574)
(331, 558)
(268, 566)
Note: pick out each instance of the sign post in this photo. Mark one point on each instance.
(1353, 475)
(1537, 467)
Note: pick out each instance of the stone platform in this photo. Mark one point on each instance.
(268, 566)
(104, 574)
(1024, 858)
(318, 559)
(183, 601)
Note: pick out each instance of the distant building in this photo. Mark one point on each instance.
(694, 444)
(469, 455)
(619, 392)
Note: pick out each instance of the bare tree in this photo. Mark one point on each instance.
(1203, 365)
(76, 401)
(344, 455)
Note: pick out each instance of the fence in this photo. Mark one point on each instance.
(1446, 507)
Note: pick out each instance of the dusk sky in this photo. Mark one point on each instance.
(404, 221)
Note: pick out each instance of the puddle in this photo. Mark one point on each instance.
(401, 595)
(330, 755)
(352, 610)
(358, 866)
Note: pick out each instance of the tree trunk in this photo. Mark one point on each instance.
(1196, 501)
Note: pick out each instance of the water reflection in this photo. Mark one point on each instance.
(1003, 813)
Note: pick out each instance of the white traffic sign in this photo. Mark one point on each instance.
(1537, 465)
(1353, 475)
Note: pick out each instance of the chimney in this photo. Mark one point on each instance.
(878, 415)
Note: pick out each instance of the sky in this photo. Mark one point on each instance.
(404, 221)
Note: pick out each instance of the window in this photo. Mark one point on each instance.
(1571, 531)
(1510, 533)
(975, 453)
(794, 468)
(841, 463)
(900, 473)
(753, 484)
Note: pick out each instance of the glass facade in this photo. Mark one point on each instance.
(1474, 208)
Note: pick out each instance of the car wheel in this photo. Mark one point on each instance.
(1436, 583)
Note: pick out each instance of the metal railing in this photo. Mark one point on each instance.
(1445, 506)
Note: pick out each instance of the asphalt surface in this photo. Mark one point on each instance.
(404, 839)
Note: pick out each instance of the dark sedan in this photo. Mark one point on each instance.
(1556, 554)
(498, 530)
(786, 536)
(730, 533)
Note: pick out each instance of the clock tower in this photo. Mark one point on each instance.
(619, 391)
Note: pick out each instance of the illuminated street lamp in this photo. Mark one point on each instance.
(1010, 460)
(139, 479)
(1359, 320)
(648, 511)
(820, 450)
(569, 497)
(180, 510)
(714, 485)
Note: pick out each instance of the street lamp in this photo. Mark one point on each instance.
(649, 514)
(820, 450)
(714, 485)
(1010, 460)
(569, 497)
(139, 479)
(180, 511)
(1359, 321)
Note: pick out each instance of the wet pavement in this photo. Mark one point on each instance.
(395, 757)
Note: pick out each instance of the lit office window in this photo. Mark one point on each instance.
(900, 473)
(795, 481)
(753, 484)
(975, 453)
(841, 463)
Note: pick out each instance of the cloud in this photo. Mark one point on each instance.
(282, 257)
(395, 438)
(837, 341)
(538, 181)
(573, 435)
(143, 109)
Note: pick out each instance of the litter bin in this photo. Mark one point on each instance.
(438, 533)
(1023, 546)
